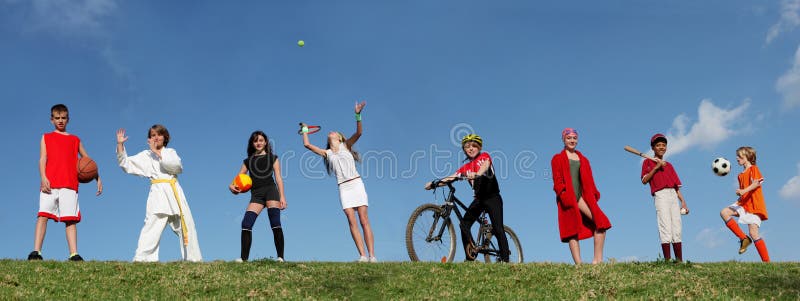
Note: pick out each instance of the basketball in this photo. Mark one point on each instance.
(243, 182)
(87, 170)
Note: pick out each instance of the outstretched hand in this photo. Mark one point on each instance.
(121, 138)
(360, 106)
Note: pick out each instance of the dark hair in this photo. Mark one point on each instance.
(251, 150)
(59, 108)
(356, 156)
(657, 140)
(161, 130)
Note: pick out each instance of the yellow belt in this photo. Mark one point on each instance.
(178, 200)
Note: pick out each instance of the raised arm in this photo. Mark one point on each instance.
(359, 129)
(134, 165)
(308, 144)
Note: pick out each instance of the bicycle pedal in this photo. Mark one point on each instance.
(472, 252)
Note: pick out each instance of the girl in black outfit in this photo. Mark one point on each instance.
(262, 164)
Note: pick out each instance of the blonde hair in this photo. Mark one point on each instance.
(748, 153)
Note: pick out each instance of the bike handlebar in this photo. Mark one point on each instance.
(435, 183)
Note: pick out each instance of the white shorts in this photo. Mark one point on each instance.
(61, 205)
(745, 218)
(353, 194)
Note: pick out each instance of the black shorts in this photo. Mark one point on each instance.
(263, 194)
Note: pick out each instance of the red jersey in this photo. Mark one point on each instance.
(665, 177)
(61, 168)
(486, 185)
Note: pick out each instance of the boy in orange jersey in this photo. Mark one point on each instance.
(750, 207)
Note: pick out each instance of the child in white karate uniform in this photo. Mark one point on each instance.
(166, 203)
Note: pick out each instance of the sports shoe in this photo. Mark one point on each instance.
(744, 243)
(35, 255)
(280, 259)
(363, 259)
(238, 260)
(76, 257)
(373, 259)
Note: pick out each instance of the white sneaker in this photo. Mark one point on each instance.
(373, 259)
(280, 259)
(363, 259)
(239, 260)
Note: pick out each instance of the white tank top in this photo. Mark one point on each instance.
(342, 163)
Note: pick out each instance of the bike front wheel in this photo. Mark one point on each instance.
(430, 236)
(514, 248)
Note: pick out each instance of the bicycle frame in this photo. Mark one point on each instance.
(451, 204)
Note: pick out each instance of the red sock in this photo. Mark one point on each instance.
(665, 250)
(735, 228)
(678, 251)
(761, 246)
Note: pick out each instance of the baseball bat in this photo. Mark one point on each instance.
(634, 151)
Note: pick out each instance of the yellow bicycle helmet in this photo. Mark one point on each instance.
(472, 137)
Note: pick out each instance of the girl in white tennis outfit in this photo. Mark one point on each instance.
(340, 160)
(166, 203)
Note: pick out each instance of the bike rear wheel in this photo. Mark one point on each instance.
(422, 235)
(514, 248)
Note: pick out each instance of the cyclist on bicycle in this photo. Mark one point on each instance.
(480, 173)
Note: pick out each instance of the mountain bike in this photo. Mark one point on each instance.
(431, 234)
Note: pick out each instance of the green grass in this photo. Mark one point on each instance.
(266, 279)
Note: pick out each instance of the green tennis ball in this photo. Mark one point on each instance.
(301, 43)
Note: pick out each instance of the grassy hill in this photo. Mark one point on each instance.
(266, 279)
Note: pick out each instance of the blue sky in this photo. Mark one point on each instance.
(712, 75)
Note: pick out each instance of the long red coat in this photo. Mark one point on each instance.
(571, 222)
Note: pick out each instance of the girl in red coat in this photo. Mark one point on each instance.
(579, 217)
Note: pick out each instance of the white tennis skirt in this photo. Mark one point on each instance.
(353, 194)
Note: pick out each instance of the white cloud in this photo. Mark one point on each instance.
(788, 84)
(790, 19)
(69, 17)
(714, 125)
(711, 238)
(791, 190)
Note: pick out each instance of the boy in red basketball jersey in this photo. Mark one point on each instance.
(58, 197)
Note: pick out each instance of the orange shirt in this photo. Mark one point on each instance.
(753, 201)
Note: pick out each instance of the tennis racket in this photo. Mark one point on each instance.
(311, 128)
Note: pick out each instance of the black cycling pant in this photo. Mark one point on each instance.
(494, 208)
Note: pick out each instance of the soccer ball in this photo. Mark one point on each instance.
(721, 166)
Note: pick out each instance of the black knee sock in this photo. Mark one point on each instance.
(247, 240)
(277, 235)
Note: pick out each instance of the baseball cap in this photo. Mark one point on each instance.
(656, 138)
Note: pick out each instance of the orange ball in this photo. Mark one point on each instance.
(243, 182)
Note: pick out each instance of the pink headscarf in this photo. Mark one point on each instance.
(568, 131)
